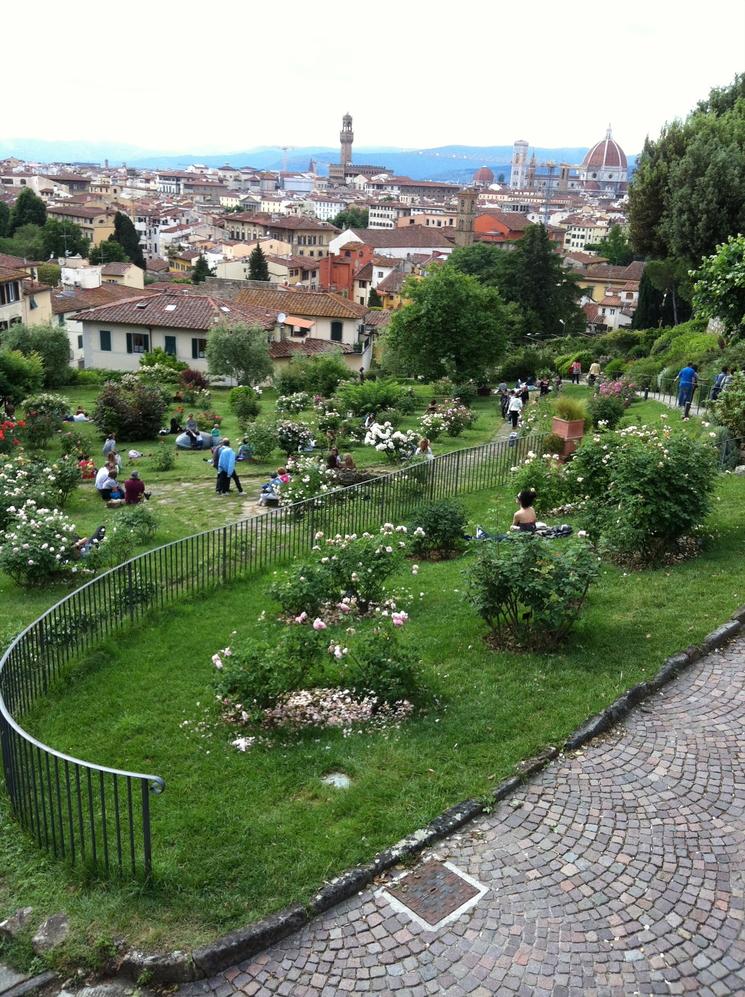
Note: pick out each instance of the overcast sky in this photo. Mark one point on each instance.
(221, 77)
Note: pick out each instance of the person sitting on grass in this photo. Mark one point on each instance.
(110, 490)
(424, 450)
(87, 467)
(82, 548)
(245, 450)
(348, 463)
(134, 489)
(333, 461)
(525, 518)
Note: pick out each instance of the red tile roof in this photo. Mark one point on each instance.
(414, 236)
(313, 304)
(73, 299)
(176, 311)
(308, 347)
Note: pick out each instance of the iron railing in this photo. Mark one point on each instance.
(100, 816)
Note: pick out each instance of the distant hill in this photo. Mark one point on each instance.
(453, 163)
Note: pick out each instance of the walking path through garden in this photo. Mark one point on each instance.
(618, 870)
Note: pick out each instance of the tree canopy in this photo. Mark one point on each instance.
(258, 268)
(47, 342)
(200, 271)
(20, 376)
(452, 326)
(29, 209)
(108, 251)
(615, 247)
(719, 288)
(351, 217)
(127, 236)
(4, 220)
(61, 237)
(686, 194)
(239, 351)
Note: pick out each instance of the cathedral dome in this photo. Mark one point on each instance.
(604, 154)
(483, 176)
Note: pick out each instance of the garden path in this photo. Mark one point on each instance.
(618, 870)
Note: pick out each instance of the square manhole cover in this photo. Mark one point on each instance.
(435, 893)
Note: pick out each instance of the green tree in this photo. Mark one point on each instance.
(126, 235)
(29, 209)
(258, 268)
(686, 194)
(615, 247)
(48, 342)
(534, 278)
(63, 238)
(481, 260)
(452, 326)
(20, 376)
(4, 220)
(27, 241)
(200, 271)
(239, 351)
(351, 217)
(719, 288)
(49, 273)
(108, 251)
(374, 300)
(670, 278)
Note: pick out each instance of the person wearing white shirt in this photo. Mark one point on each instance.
(514, 409)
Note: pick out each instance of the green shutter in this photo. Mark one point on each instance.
(147, 343)
(195, 349)
(105, 339)
(129, 342)
(171, 346)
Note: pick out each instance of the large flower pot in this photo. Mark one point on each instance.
(571, 431)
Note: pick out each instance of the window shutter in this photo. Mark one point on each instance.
(195, 349)
(147, 343)
(129, 342)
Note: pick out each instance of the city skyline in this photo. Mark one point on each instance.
(288, 80)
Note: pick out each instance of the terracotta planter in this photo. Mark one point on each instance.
(571, 431)
(568, 429)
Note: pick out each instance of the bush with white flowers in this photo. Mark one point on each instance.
(37, 547)
(309, 477)
(23, 477)
(298, 401)
(432, 425)
(456, 417)
(393, 443)
(294, 436)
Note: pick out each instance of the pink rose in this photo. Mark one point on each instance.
(318, 624)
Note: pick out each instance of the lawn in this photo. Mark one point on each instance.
(236, 836)
(184, 497)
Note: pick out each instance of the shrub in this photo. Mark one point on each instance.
(194, 379)
(466, 393)
(255, 673)
(359, 566)
(407, 402)
(37, 546)
(73, 443)
(457, 417)
(159, 374)
(294, 403)
(729, 408)
(624, 390)
(317, 375)
(47, 403)
(141, 523)
(303, 588)
(12, 435)
(361, 398)
(530, 592)
(263, 439)
(44, 416)
(524, 363)
(23, 478)
(309, 477)
(614, 368)
(432, 425)
(569, 409)
(294, 436)
(163, 459)
(159, 358)
(19, 375)
(379, 664)
(394, 444)
(244, 403)
(643, 489)
(437, 528)
(131, 409)
(606, 410)
(544, 475)
(553, 444)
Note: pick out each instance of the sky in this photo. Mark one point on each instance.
(173, 78)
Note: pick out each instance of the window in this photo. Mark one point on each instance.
(80, 342)
(336, 331)
(171, 346)
(138, 342)
(198, 349)
(10, 292)
(105, 336)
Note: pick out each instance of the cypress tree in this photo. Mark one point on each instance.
(126, 235)
(258, 268)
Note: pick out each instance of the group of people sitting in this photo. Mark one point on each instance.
(107, 482)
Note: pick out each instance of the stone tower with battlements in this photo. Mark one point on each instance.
(346, 137)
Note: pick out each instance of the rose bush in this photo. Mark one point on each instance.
(309, 477)
(37, 546)
(294, 436)
(395, 445)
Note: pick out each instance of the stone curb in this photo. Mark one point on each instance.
(182, 967)
(31, 986)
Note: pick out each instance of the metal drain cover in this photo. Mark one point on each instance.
(435, 893)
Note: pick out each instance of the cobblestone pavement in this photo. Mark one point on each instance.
(616, 871)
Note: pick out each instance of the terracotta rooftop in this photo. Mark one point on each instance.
(308, 347)
(115, 269)
(414, 236)
(316, 304)
(176, 310)
(296, 222)
(73, 299)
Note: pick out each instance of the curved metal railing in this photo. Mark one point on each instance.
(98, 815)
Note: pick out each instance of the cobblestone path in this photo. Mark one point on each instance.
(617, 871)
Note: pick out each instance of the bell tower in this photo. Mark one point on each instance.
(346, 137)
(467, 201)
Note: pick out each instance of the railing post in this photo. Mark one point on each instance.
(147, 857)
(130, 591)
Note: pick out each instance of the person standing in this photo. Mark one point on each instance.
(721, 383)
(525, 395)
(503, 393)
(687, 380)
(514, 409)
(226, 469)
(594, 373)
(109, 444)
(576, 371)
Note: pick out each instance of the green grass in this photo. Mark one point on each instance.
(237, 836)
(184, 498)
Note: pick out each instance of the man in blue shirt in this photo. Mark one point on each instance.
(226, 469)
(686, 379)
